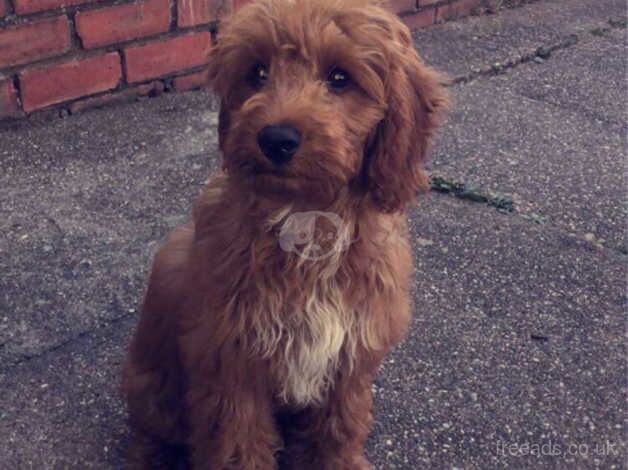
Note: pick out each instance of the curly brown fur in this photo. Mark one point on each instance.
(251, 356)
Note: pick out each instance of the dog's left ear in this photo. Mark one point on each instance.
(416, 101)
(217, 84)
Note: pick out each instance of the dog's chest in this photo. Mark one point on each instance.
(307, 346)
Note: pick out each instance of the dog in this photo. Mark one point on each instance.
(267, 316)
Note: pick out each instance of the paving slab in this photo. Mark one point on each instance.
(559, 165)
(551, 133)
(476, 43)
(588, 78)
(84, 200)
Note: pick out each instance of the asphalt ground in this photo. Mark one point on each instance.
(517, 355)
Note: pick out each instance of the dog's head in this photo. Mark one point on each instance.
(320, 95)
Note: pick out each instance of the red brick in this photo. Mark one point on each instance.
(122, 23)
(195, 12)
(62, 82)
(31, 6)
(161, 58)
(457, 9)
(3, 8)
(421, 19)
(400, 6)
(190, 82)
(8, 99)
(33, 41)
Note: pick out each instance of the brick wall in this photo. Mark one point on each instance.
(69, 55)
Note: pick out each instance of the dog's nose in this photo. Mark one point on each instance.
(279, 143)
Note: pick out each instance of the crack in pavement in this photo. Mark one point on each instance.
(562, 106)
(504, 204)
(498, 68)
(464, 191)
(87, 332)
(541, 54)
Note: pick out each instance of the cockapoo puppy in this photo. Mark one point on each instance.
(266, 317)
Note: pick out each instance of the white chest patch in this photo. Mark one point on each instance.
(306, 346)
(312, 353)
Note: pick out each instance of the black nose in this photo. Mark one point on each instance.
(279, 143)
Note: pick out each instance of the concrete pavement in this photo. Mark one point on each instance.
(519, 332)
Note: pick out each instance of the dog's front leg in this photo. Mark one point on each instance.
(231, 422)
(331, 436)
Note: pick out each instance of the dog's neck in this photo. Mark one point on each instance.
(274, 224)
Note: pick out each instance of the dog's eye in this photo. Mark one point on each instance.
(338, 79)
(258, 75)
